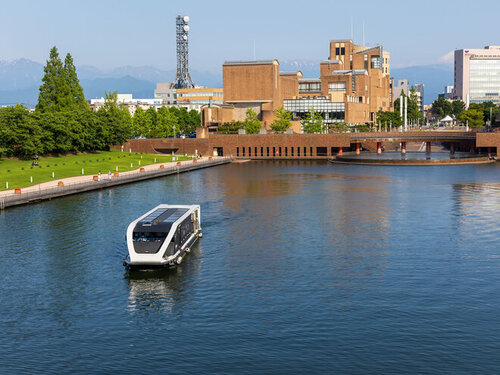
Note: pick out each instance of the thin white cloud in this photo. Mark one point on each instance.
(447, 58)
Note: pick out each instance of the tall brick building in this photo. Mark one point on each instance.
(354, 84)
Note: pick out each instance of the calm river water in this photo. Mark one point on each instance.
(304, 267)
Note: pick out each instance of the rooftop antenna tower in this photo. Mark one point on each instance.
(352, 31)
(363, 32)
(182, 77)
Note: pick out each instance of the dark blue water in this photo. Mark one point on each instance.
(304, 267)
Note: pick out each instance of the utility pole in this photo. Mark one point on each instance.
(406, 113)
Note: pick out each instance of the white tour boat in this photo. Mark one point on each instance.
(162, 236)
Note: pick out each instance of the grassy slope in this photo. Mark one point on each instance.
(18, 172)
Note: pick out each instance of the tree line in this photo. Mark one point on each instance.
(477, 115)
(63, 121)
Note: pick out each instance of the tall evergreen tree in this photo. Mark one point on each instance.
(55, 92)
(77, 95)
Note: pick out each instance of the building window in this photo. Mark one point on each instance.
(249, 151)
(336, 86)
(286, 151)
(243, 149)
(268, 152)
(255, 151)
(311, 149)
(279, 150)
(305, 87)
(237, 151)
(337, 51)
(274, 151)
(376, 62)
(342, 51)
(305, 151)
(262, 151)
(298, 151)
(292, 151)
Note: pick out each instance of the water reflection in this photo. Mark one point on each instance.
(163, 289)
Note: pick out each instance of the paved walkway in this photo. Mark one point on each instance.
(87, 178)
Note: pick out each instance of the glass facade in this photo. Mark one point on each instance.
(203, 93)
(336, 86)
(305, 87)
(484, 80)
(331, 111)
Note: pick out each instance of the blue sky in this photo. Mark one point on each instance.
(110, 33)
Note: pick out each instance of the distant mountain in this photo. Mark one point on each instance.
(20, 79)
(139, 88)
(20, 74)
(309, 68)
(434, 78)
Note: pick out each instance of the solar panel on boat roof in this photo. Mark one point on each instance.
(153, 215)
(175, 215)
(167, 215)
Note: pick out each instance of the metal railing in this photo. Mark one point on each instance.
(105, 182)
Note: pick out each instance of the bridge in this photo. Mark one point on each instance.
(299, 146)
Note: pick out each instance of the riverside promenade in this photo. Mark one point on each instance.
(78, 184)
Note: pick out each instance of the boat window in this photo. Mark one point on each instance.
(149, 236)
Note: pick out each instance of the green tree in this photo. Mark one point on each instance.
(473, 117)
(441, 107)
(485, 108)
(313, 122)
(339, 127)
(388, 118)
(165, 123)
(77, 95)
(142, 123)
(20, 135)
(151, 119)
(194, 121)
(115, 121)
(414, 114)
(231, 127)
(457, 107)
(251, 123)
(55, 92)
(282, 120)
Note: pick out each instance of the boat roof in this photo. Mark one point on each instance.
(160, 220)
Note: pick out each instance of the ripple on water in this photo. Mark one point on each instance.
(303, 267)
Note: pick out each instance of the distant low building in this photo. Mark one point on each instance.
(447, 93)
(403, 86)
(200, 96)
(420, 90)
(166, 92)
(127, 100)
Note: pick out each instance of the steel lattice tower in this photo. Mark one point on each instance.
(182, 77)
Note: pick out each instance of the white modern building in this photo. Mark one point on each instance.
(131, 103)
(477, 75)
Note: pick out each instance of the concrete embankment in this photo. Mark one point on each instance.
(80, 184)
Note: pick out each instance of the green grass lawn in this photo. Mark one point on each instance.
(18, 172)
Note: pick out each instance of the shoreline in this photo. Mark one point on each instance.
(79, 184)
